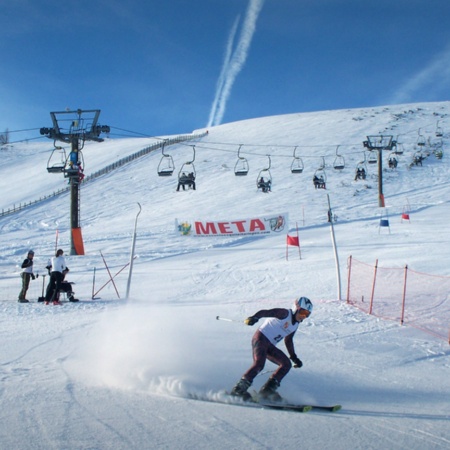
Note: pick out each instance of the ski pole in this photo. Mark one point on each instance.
(229, 320)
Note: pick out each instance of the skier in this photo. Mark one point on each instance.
(58, 266)
(26, 275)
(280, 323)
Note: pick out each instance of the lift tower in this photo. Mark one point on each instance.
(74, 128)
(380, 143)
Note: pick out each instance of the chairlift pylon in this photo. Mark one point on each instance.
(297, 163)
(339, 162)
(166, 166)
(241, 167)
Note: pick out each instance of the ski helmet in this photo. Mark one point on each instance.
(303, 303)
(30, 252)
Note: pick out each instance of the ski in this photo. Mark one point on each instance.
(331, 408)
(227, 399)
(286, 406)
(283, 404)
(236, 401)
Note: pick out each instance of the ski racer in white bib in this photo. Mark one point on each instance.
(280, 324)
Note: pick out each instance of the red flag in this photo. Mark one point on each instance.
(293, 240)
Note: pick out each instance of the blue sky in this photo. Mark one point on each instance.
(153, 67)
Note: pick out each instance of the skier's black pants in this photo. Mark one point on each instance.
(54, 286)
(263, 349)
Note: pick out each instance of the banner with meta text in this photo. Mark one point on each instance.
(252, 226)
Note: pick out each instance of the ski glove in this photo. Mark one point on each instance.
(296, 361)
(33, 277)
(251, 320)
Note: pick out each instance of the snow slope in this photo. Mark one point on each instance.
(106, 373)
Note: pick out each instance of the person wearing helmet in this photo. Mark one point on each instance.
(280, 324)
(26, 275)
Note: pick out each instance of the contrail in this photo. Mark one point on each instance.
(438, 69)
(234, 62)
(226, 62)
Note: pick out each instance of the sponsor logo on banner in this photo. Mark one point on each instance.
(252, 226)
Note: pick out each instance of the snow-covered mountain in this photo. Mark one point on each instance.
(106, 373)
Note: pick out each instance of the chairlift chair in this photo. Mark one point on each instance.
(398, 149)
(439, 131)
(57, 161)
(187, 169)
(297, 164)
(373, 157)
(241, 167)
(392, 160)
(320, 178)
(421, 141)
(264, 178)
(418, 158)
(166, 166)
(361, 171)
(339, 162)
(74, 167)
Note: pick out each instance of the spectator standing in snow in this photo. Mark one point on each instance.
(26, 275)
(58, 266)
(280, 324)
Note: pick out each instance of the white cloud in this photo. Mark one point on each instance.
(430, 78)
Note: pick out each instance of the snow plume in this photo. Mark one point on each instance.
(139, 347)
(234, 60)
(431, 78)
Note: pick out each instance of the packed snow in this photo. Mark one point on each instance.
(110, 373)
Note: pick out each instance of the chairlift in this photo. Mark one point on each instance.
(187, 173)
(418, 158)
(166, 166)
(397, 147)
(74, 165)
(339, 162)
(297, 163)
(421, 141)
(392, 160)
(57, 161)
(264, 179)
(320, 176)
(373, 157)
(361, 170)
(241, 167)
(439, 131)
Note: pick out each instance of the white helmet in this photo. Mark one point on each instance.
(303, 303)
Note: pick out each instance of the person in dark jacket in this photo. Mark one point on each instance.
(26, 275)
(280, 324)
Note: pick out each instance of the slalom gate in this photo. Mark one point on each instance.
(413, 298)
